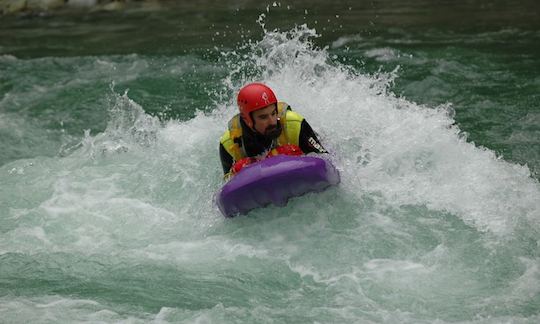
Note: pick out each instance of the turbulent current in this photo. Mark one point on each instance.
(110, 167)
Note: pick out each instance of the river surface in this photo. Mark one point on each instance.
(109, 129)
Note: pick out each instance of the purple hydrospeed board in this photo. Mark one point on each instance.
(275, 180)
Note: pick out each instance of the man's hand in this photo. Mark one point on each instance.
(240, 164)
(287, 149)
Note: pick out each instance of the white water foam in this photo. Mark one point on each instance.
(56, 309)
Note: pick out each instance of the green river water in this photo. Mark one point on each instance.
(109, 129)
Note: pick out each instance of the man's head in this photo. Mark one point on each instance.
(258, 108)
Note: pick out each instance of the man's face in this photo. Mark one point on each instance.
(265, 121)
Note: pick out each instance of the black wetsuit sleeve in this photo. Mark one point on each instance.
(226, 159)
(308, 140)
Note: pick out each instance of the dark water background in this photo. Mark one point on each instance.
(431, 107)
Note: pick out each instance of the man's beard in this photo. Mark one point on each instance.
(273, 131)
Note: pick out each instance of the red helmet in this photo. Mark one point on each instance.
(252, 97)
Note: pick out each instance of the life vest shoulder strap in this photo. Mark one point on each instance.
(291, 122)
(230, 139)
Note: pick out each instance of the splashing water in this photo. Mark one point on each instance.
(424, 227)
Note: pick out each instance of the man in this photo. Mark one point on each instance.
(264, 127)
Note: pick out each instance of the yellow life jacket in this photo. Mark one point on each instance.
(290, 134)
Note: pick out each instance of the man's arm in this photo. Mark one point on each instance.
(226, 159)
(308, 140)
